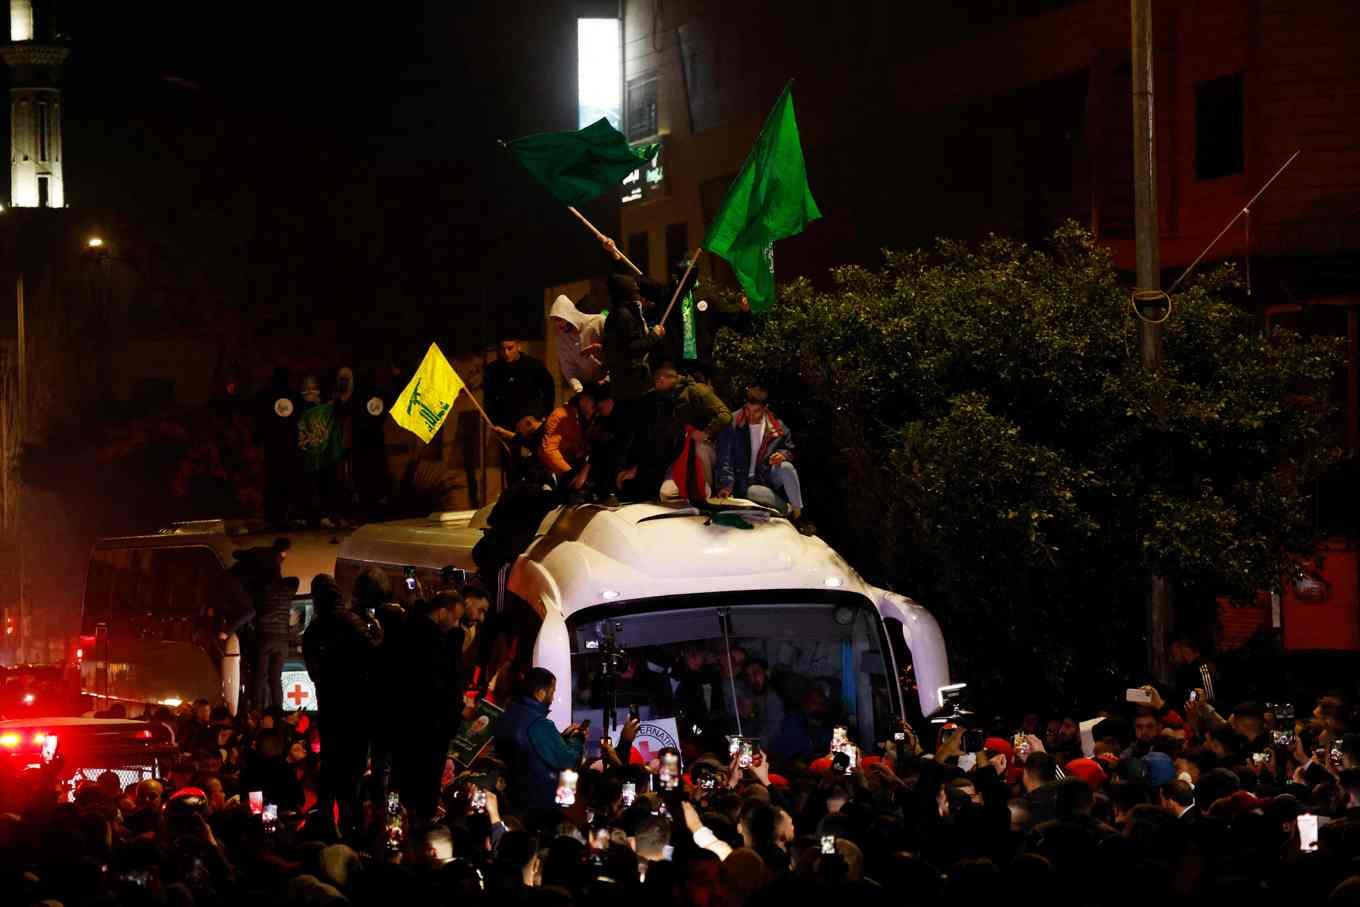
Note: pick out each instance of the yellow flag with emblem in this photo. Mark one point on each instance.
(427, 400)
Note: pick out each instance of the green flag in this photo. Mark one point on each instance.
(768, 200)
(690, 346)
(578, 166)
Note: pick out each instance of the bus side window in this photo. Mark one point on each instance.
(905, 676)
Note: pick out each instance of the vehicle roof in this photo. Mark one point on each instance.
(313, 551)
(439, 540)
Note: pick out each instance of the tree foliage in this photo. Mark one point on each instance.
(976, 430)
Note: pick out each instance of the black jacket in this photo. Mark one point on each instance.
(340, 647)
(520, 388)
(429, 663)
(627, 344)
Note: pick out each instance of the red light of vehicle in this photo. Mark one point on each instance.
(9, 741)
(80, 653)
(29, 698)
(39, 738)
(143, 734)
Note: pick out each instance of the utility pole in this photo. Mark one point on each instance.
(1147, 245)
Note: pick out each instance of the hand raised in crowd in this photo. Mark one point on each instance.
(493, 807)
(1155, 700)
(692, 820)
(950, 744)
(760, 767)
(630, 728)
(723, 494)
(659, 330)
(611, 247)
(777, 458)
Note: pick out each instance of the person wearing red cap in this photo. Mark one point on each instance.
(1088, 770)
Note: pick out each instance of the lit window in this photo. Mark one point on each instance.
(599, 71)
(21, 20)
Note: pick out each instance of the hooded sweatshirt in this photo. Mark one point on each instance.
(577, 366)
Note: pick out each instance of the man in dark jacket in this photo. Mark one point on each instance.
(339, 647)
(431, 649)
(755, 458)
(516, 384)
(530, 744)
(698, 417)
(628, 341)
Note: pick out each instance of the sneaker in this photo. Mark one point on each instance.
(611, 501)
(804, 526)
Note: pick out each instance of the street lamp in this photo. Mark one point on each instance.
(94, 242)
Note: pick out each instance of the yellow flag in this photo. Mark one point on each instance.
(425, 403)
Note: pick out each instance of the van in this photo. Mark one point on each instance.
(146, 635)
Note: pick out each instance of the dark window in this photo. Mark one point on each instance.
(677, 243)
(638, 250)
(153, 593)
(44, 123)
(42, 192)
(1218, 127)
(640, 102)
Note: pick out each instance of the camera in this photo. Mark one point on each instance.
(629, 793)
(1262, 758)
(1282, 738)
(410, 573)
(828, 844)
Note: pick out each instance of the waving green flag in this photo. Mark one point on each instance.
(577, 166)
(768, 201)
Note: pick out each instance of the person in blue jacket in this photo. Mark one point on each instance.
(531, 745)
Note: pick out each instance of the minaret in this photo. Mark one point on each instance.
(34, 54)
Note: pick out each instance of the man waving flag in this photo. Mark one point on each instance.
(769, 200)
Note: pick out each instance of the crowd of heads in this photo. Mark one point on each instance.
(1141, 802)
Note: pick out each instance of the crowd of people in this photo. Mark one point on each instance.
(635, 427)
(1172, 794)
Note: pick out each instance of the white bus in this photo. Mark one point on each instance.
(665, 581)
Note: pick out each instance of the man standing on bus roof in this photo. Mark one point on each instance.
(340, 646)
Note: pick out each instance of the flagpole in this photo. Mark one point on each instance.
(681, 285)
(602, 238)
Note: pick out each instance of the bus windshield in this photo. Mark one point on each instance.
(786, 673)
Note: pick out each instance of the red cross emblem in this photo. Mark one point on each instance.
(297, 694)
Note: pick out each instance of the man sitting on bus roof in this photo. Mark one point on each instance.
(755, 458)
(564, 449)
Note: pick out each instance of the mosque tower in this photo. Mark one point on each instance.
(35, 53)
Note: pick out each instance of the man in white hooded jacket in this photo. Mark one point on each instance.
(579, 348)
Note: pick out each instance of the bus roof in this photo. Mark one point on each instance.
(591, 556)
(313, 551)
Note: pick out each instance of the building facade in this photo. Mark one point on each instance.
(35, 54)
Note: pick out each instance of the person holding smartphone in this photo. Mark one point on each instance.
(533, 747)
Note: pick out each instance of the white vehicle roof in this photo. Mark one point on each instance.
(313, 551)
(590, 556)
(437, 541)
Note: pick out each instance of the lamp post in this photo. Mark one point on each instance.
(97, 254)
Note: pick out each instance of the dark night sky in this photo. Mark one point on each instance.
(320, 165)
